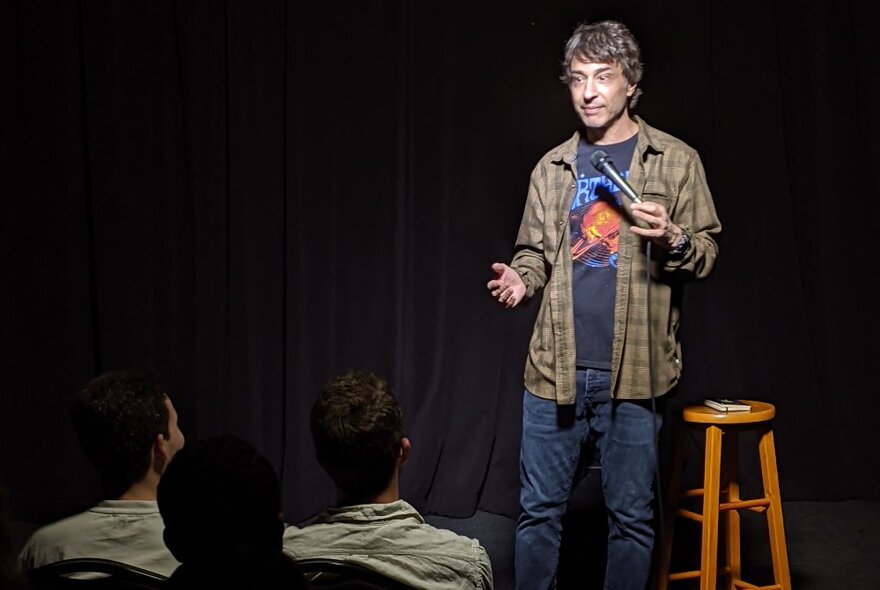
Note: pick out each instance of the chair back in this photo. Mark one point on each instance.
(336, 574)
(111, 575)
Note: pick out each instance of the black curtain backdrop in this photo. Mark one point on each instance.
(254, 196)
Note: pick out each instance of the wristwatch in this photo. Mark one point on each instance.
(682, 246)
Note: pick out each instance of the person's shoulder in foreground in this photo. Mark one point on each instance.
(126, 531)
(394, 539)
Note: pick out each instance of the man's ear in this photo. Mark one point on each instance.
(405, 446)
(161, 454)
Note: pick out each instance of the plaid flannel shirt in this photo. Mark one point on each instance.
(643, 363)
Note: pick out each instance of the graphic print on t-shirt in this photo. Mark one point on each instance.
(595, 222)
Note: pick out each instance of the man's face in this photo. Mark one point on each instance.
(175, 440)
(599, 92)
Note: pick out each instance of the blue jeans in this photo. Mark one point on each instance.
(623, 434)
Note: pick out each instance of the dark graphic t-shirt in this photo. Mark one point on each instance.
(595, 236)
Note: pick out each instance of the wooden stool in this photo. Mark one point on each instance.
(723, 468)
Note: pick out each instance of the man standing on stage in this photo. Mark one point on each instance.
(605, 342)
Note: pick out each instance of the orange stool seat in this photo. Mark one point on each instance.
(722, 429)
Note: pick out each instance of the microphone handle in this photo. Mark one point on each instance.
(623, 185)
(609, 170)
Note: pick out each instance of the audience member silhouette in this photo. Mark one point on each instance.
(221, 501)
(357, 429)
(127, 426)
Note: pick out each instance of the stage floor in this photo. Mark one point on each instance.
(831, 545)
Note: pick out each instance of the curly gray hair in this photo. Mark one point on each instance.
(605, 42)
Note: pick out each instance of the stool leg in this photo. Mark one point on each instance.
(671, 508)
(730, 469)
(774, 512)
(711, 498)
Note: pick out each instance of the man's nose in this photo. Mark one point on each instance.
(589, 89)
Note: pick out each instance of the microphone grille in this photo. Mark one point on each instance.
(598, 158)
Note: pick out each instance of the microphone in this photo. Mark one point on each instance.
(602, 162)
